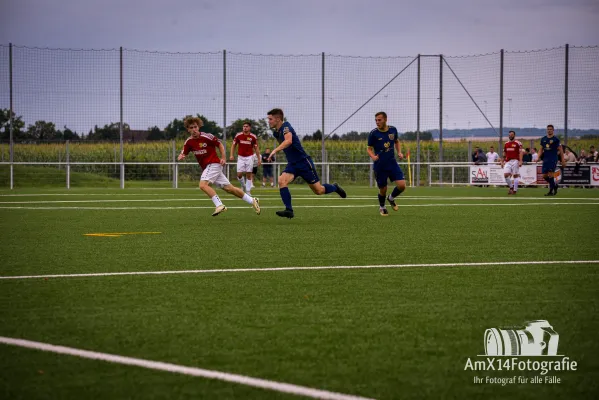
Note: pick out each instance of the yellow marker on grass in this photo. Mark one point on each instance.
(119, 234)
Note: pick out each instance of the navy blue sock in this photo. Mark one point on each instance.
(381, 200)
(286, 197)
(328, 188)
(396, 192)
(551, 184)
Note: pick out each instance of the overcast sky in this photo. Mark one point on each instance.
(81, 89)
(348, 27)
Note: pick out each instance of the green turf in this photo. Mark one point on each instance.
(382, 333)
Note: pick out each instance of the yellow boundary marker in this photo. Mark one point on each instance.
(119, 234)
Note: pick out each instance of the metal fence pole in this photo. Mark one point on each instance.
(323, 146)
(500, 147)
(68, 161)
(441, 116)
(175, 185)
(418, 123)
(566, 97)
(10, 117)
(225, 102)
(121, 120)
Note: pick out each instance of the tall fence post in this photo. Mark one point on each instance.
(10, 117)
(441, 116)
(418, 123)
(68, 167)
(121, 120)
(225, 102)
(175, 183)
(566, 97)
(500, 146)
(323, 146)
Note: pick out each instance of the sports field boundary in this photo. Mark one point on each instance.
(279, 269)
(183, 370)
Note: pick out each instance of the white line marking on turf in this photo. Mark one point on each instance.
(180, 369)
(308, 206)
(278, 197)
(391, 266)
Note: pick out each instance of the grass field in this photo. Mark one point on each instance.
(228, 304)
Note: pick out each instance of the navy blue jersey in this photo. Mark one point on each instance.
(295, 152)
(550, 147)
(383, 143)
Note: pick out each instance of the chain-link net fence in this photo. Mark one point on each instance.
(79, 95)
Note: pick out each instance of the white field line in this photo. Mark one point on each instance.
(277, 269)
(202, 197)
(268, 198)
(296, 206)
(180, 369)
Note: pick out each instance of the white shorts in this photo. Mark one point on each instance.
(511, 167)
(245, 164)
(214, 174)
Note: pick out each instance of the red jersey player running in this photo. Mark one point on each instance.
(203, 145)
(511, 162)
(248, 146)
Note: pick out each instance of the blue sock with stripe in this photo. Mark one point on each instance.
(328, 188)
(286, 197)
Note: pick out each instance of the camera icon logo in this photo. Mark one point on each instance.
(536, 338)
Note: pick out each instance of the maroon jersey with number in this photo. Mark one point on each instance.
(204, 148)
(512, 150)
(246, 143)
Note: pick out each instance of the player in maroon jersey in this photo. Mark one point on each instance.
(511, 162)
(203, 146)
(248, 146)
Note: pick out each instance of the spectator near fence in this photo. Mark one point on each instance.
(527, 156)
(267, 168)
(593, 155)
(569, 156)
(492, 156)
(481, 158)
(534, 155)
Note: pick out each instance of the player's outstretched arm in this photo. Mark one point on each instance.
(370, 151)
(284, 144)
(231, 157)
(181, 156)
(398, 148)
(223, 155)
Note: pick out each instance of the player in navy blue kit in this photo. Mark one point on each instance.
(549, 152)
(299, 162)
(381, 142)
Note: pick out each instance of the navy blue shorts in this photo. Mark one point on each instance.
(391, 172)
(267, 171)
(304, 168)
(549, 166)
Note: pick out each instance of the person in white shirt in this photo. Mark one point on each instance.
(492, 156)
(535, 156)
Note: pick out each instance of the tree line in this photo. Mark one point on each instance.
(47, 131)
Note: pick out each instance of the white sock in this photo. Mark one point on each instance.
(516, 180)
(248, 186)
(508, 181)
(391, 198)
(248, 199)
(216, 201)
